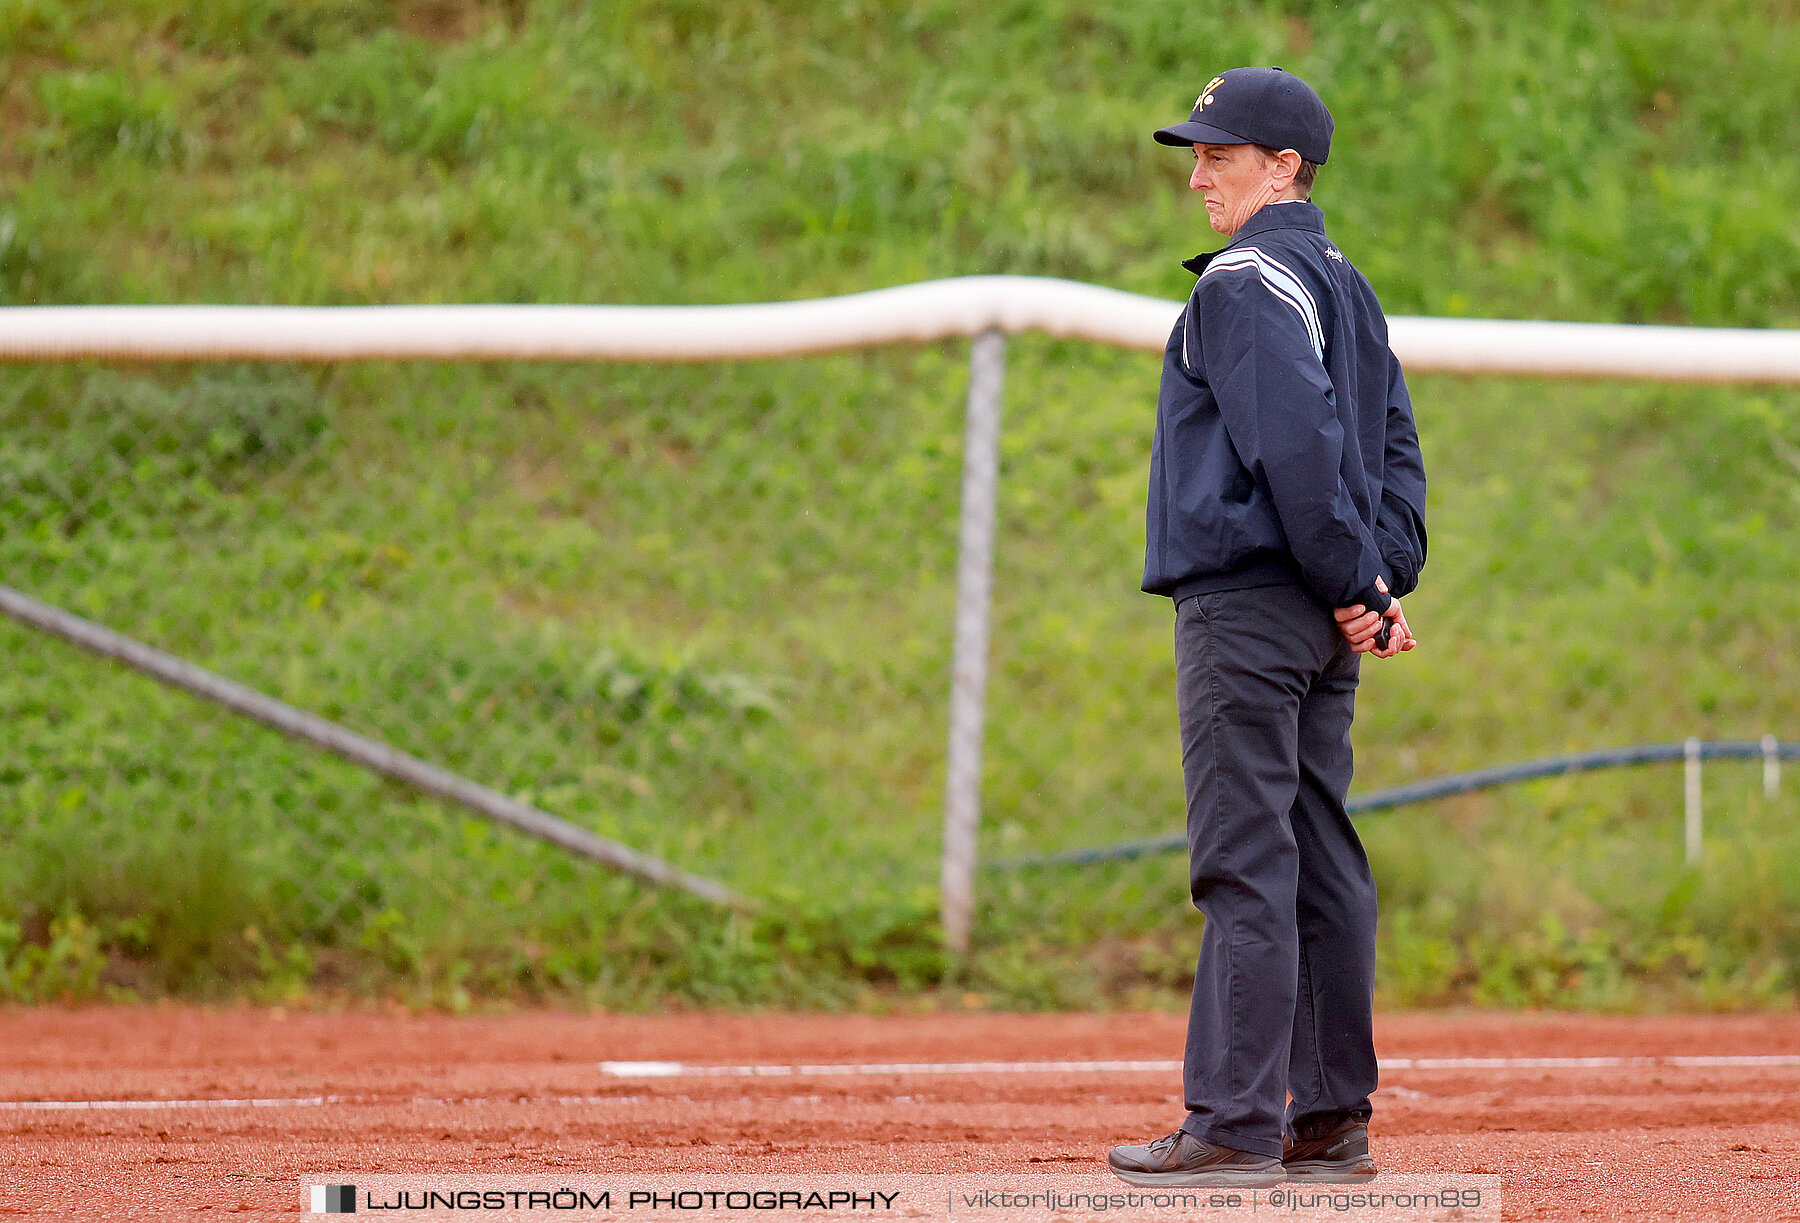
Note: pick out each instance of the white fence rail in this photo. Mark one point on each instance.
(937, 309)
(985, 308)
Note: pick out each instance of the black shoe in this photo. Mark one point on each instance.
(1340, 1153)
(1181, 1160)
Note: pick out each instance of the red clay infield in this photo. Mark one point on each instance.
(524, 1093)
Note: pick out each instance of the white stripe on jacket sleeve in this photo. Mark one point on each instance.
(1281, 282)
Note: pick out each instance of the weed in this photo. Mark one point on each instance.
(705, 609)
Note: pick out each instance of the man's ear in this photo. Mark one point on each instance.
(1287, 165)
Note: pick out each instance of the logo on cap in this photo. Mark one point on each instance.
(1206, 94)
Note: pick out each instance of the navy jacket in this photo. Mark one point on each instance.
(1285, 446)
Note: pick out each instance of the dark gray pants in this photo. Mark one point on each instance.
(1266, 687)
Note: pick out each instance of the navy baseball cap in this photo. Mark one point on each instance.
(1257, 106)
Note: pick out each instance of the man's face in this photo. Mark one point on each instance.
(1237, 179)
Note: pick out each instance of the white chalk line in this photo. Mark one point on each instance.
(57, 1106)
(664, 1070)
(667, 1070)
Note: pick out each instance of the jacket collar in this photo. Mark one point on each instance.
(1285, 214)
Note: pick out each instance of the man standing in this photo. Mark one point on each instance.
(1286, 518)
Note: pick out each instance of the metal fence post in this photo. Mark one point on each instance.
(968, 671)
(1691, 751)
(1771, 753)
(370, 753)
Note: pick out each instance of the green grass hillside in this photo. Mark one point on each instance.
(705, 609)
